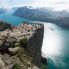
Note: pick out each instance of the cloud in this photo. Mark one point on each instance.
(57, 5)
(4, 4)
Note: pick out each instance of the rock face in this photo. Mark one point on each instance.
(34, 46)
(7, 42)
(2, 65)
(12, 48)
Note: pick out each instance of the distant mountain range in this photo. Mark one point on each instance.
(41, 14)
(6, 10)
(2, 10)
(45, 15)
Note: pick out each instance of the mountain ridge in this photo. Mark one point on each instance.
(45, 15)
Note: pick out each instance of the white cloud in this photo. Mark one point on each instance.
(57, 5)
(4, 4)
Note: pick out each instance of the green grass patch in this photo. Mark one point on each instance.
(16, 66)
(43, 66)
(23, 42)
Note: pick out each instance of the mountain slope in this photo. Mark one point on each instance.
(31, 14)
(45, 15)
(2, 10)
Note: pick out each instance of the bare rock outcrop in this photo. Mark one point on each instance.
(13, 43)
(34, 46)
(13, 50)
(7, 42)
(2, 65)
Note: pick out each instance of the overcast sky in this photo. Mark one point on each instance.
(55, 4)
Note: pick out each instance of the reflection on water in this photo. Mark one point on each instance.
(56, 46)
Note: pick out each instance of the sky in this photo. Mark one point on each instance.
(56, 5)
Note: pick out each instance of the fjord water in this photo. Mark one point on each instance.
(55, 46)
(9, 18)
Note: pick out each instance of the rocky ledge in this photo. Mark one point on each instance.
(20, 47)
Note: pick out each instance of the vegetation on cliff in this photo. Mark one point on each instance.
(23, 42)
(16, 66)
(4, 25)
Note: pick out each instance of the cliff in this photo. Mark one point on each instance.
(22, 45)
(34, 45)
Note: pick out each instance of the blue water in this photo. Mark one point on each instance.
(56, 46)
(14, 20)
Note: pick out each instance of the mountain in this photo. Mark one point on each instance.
(2, 10)
(8, 11)
(44, 14)
(11, 10)
(31, 14)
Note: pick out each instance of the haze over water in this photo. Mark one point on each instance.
(56, 46)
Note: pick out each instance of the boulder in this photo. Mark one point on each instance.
(17, 44)
(11, 39)
(2, 65)
(7, 42)
(35, 67)
(13, 50)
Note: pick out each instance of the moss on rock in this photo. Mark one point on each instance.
(23, 42)
(16, 66)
